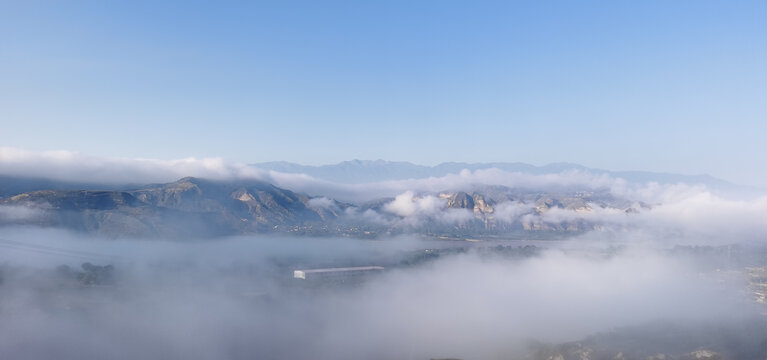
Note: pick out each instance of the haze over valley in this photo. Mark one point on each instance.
(537, 263)
(383, 180)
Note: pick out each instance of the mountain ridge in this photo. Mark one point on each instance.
(187, 207)
(196, 207)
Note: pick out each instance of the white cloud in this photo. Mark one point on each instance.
(322, 203)
(511, 211)
(593, 212)
(77, 167)
(19, 213)
(703, 213)
(415, 209)
(407, 204)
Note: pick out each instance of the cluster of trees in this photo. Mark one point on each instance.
(90, 274)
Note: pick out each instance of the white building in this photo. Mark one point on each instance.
(334, 272)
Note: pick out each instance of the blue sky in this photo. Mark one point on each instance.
(653, 85)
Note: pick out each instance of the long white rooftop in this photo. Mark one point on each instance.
(358, 268)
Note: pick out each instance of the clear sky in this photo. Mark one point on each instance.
(676, 86)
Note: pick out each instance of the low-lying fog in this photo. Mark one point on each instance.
(236, 298)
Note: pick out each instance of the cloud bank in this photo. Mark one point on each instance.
(235, 299)
(76, 167)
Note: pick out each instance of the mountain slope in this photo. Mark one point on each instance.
(188, 207)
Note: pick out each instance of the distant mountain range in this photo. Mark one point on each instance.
(195, 208)
(364, 171)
